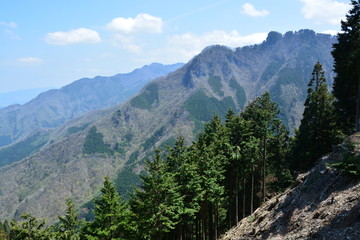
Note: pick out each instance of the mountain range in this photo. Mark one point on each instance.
(19, 96)
(73, 162)
(55, 107)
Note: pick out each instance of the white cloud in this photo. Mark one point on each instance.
(9, 24)
(127, 43)
(186, 46)
(81, 35)
(249, 9)
(331, 32)
(325, 11)
(142, 23)
(29, 60)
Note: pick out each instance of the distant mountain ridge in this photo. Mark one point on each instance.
(20, 96)
(177, 104)
(54, 107)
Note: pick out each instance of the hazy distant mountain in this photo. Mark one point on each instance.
(20, 96)
(178, 104)
(54, 107)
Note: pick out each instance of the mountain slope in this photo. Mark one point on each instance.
(177, 104)
(325, 204)
(54, 107)
(19, 96)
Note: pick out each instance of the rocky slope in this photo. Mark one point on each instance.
(177, 104)
(54, 107)
(324, 204)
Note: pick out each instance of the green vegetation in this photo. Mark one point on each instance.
(22, 149)
(201, 107)
(126, 181)
(120, 147)
(346, 55)
(147, 98)
(215, 84)
(240, 92)
(150, 142)
(133, 157)
(350, 162)
(72, 130)
(235, 165)
(94, 143)
(200, 185)
(318, 129)
(272, 69)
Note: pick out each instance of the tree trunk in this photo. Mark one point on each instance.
(357, 120)
(264, 171)
(252, 191)
(244, 199)
(237, 200)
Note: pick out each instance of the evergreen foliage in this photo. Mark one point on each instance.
(215, 84)
(94, 143)
(69, 226)
(30, 228)
(346, 55)
(240, 92)
(350, 162)
(147, 98)
(111, 216)
(318, 129)
(157, 207)
(201, 107)
(21, 149)
(72, 130)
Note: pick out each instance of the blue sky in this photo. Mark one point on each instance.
(53, 43)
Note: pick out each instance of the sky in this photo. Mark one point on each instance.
(53, 43)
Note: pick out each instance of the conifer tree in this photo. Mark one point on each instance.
(69, 225)
(317, 132)
(157, 207)
(346, 55)
(30, 228)
(263, 113)
(182, 165)
(111, 216)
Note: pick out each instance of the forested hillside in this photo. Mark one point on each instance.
(175, 105)
(57, 106)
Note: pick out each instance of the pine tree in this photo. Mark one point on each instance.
(157, 207)
(111, 216)
(317, 132)
(69, 225)
(263, 113)
(181, 164)
(346, 55)
(30, 228)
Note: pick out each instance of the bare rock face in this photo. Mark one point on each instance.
(323, 204)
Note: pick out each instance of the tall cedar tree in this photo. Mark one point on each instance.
(159, 205)
(263, 113)
(111, 216)
(346, 55)
(243, 152)
(181, 163)
(317, 132)
(69, 225)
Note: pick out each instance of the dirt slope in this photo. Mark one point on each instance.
(323, 204)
